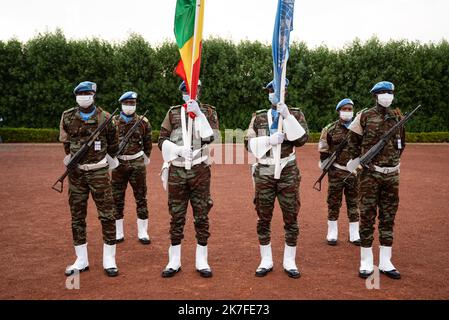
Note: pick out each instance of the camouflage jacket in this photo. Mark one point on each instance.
(366, 130)
(331, 136)
(171, 128)
(74, 132)
(141, 138)
(259, 127)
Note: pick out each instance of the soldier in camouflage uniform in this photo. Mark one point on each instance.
(188, 184)
(132, 168)
(331, 137)
(261, 140)
(379, 184)
(91, 176)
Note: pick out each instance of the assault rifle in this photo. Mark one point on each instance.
(81, 153)
(366, 159)
(328, 163)
(128, 135)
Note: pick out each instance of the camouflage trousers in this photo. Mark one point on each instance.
(96, 182)
(193, 185)
(134, 172)
(286, 189)
(335, 192)
(378, 193)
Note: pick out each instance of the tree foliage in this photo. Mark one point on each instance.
(37, 78)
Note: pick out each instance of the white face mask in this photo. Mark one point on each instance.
(185, 97)
(272, 98)
(385, 99)
(128, 110)
(346, 115)
(85, 101)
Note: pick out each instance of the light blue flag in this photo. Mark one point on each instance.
(281, 38)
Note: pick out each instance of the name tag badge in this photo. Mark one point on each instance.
(97, 146)
(399, 144)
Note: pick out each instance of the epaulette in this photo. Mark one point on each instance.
(261, 111)
(69, 110)
(175, 107)
(330, 125)
(294, 109)
(362, 110)
(207, 106)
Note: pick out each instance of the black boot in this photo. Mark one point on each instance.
(393, 274)
(262, 272)
(293, 273)
(205, 273)
(144, 241)
(168, 273)
(111, 272)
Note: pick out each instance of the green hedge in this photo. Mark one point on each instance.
(37, 78)
(29, 135)
(51, 135)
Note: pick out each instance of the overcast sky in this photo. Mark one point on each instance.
(329, 22)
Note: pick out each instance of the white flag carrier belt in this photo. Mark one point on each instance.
(128, 157)
(94, 166)
(270, 160)
(181, 163)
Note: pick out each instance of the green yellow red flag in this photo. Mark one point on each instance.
(189, 33)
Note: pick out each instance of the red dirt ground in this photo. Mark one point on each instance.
(36, 242)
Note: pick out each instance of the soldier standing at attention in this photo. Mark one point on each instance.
(91, 176)
(262, 136)
(132, 168)
(331, 137)
(379, 184)
(188, 184)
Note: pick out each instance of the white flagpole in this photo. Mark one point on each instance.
(188, 143)
(277, 151)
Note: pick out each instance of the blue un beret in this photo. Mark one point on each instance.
(381, 86)
(343, 103)
(269, 86)
(128, 95)
(183, 87)
(85, 86)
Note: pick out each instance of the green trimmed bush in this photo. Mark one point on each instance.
(37, 78)
(29, 135)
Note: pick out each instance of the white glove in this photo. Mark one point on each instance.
(67, 159)
(353, 165)
(192, 106)
(164, 175)
(320, 164)
(276, 138)
(185, 152)
(283, 110)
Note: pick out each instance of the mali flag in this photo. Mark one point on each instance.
(189, 33)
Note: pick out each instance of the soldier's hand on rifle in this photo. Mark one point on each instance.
(192, 106)
(283, 109)
(353, 165)
(67, 159)
(185, 152)
(276, 138)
